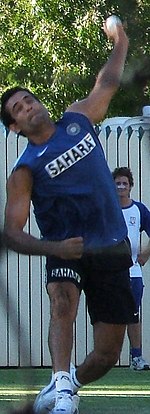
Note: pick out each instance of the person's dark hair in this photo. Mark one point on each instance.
(124, 172)
(5, 115)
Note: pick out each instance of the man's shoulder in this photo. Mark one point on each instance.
(144, 213)
(73, 116)
(24, 158)
(140, 205)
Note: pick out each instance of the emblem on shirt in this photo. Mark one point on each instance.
(71, 157)
(132, 220)
(42, 152)
(73, 129)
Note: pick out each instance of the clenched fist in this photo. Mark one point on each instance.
(71, 248)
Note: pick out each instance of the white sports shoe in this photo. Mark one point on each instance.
(139, 364)
(64, 404)
(75, 405)
(46, 398)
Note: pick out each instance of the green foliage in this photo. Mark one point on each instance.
(56, 48)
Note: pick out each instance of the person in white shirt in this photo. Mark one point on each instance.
(137, 218)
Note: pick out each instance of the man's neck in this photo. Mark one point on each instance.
(125, 202)
(42, 134)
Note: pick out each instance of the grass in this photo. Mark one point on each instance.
(119, 392)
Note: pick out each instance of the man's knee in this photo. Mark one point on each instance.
(108, 343)
(105, 359)
(60, 305)
(63, 301)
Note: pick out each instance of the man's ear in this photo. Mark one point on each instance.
(13, 127)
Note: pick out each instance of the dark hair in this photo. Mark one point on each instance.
(124, 172)
(6, 118)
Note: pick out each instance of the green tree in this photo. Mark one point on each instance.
(56, 48)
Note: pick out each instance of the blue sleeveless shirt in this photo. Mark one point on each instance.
(74, 193)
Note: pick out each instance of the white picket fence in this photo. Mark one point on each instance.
(24, 304)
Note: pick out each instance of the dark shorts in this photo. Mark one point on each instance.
(137, 290)
(108, 293)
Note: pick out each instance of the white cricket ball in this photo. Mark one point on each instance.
(111, 23)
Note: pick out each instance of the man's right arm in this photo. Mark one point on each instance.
(95, 105)
(19, 189)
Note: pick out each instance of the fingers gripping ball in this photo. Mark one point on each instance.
(112, 22)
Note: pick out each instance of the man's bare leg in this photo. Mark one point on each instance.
(134, 334)
(64, 300)
(108, 340)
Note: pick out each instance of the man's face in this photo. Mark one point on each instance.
(123, 186)
(27, 112)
